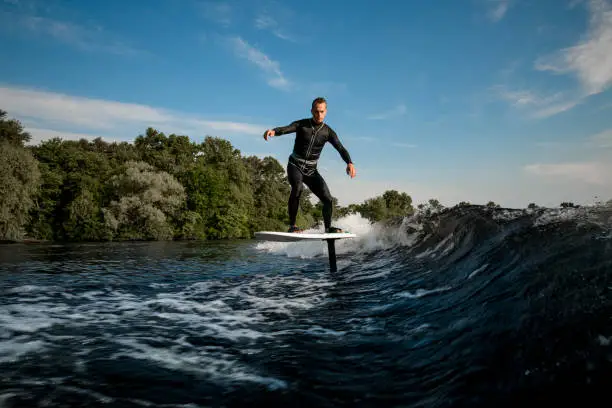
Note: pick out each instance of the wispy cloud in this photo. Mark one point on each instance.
(574, 3)
(219, 12)
(271, 68)
(605, 106)
(552, 145)
(39, 135)
(86, 116)
(590, 60)
(269, 23)
(536, 104)
(596, 142)
(278, 19)
(498, 9)
(592, 172)
(602, 139)
(84, 38)
(404, 145)
(399, 110)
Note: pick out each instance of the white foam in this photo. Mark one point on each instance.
(216, 365)
(419, 293)
(553, 215)
(31, 289)
(446, 243)
(98, 396)
(508, 214)
(603, 340)
(371, 237)
(477, 271)
(12, 350)
(314, 330)
(7, 396)
(241, 311)
(29, 317)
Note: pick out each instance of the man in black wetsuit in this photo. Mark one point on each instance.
(311, 136)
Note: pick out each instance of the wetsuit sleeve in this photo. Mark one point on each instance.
(333, 139)
(283, 130)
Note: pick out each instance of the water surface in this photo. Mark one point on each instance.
(481, 308)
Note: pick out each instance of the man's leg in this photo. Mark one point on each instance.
(318, 186)
(295, 179)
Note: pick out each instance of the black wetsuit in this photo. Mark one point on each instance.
(310, 139)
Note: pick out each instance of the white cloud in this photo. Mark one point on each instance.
(78, 111)
(269, 23)
(592, 172)
(39, 135)
(278, 19)
(538, 106)
(602, 139)
(49, 110)
(399, 110)
(605, 106)
(591, 59)
(270, 67)
(236, 127)
(78, 36)
(404, 145)
(498, 9)
(555, 109)
(218, 11)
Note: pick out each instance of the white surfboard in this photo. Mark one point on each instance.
(300, 236)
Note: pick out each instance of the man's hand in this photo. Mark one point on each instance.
(268, 133)
(350, 170)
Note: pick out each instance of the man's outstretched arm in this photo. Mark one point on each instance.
(281, 130)
(333, 139)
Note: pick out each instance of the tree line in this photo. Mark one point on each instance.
(160, 187)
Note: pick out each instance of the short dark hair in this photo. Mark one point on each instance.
(318, 100)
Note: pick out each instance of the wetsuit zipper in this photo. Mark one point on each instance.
(312, 139)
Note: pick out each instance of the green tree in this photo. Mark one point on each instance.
(374, 209)
(19, 179)
(432, 206)
(397, 204)
(146, 201)
(12, 132)
(173, 154)
(70, 170)
(219, 189)
(270, 193)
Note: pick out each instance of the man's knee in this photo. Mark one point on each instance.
(326, 198)
(297, 189)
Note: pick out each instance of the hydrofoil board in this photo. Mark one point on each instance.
(300, 236)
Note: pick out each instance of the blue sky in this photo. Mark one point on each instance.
(473, 100)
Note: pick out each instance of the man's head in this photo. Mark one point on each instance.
(319, 109)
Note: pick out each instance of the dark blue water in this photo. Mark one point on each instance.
(475, 307)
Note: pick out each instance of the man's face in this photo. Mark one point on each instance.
(319, 111)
